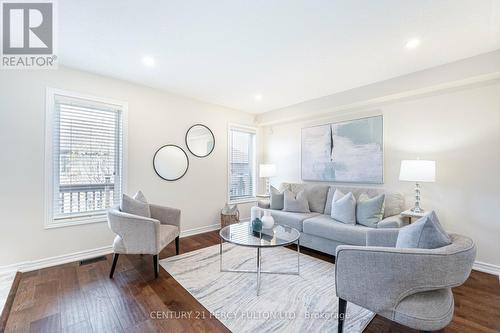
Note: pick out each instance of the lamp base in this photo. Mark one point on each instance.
(417, 210)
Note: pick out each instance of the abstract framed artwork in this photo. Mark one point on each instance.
(349, 151)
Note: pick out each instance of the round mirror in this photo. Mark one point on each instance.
(170, 162)
(200, 140)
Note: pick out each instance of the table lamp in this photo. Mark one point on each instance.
(417, 171)
(266, 171)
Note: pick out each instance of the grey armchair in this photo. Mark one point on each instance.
(408, 286)
(142, 235)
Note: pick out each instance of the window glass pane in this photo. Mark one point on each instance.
(87, 158)
(242, 163)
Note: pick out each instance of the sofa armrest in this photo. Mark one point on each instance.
(382, 237)
(395, 221)
(166, 215)
(378, 278)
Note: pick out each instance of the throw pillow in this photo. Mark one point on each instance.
(140, 196)
(370, 211)
(344, 207)
(426, 233)
(135, 207)
(277, 199)
(295, 203)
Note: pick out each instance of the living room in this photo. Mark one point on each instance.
(187, 166)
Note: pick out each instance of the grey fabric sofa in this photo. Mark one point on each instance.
(408, 286)
(319, 231)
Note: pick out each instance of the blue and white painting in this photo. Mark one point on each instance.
(349, 151)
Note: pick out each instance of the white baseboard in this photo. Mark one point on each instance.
(487, 268)
(195, 231)
(27, 266)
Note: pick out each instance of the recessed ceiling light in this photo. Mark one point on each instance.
(258, 97)
(412, 43)
(148, 61)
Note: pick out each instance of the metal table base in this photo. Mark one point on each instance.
(259, 270)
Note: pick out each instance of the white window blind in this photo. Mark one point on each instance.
(87, 161)
(241, 163)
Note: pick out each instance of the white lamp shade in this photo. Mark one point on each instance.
(418, 171)
(267, 170)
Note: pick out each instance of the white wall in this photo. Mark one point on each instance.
(155, 118)
(459, 128)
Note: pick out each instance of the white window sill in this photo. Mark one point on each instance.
(246, 200)
(69, 222)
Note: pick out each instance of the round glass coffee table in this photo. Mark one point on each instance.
(241, 234)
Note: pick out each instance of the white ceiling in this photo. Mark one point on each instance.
(289, 51)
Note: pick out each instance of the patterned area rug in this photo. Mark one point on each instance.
(287, 303)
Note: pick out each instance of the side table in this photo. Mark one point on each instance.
(410, 215)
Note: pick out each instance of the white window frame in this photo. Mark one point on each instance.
(51, 93)
(254, 158)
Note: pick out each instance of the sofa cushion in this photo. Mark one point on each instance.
(326, 227)
(316, 196)
(277, 199)
(293, 220)
(393, 205)
(296, 202)
(426, 233)
(344, 207)
(369, 211)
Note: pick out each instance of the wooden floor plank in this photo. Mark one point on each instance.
(74, 298)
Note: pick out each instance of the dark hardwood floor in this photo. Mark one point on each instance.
(73, 298)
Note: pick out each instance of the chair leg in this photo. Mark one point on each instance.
(177, 245)
(155, 264)
(342, 309)
(113, 266)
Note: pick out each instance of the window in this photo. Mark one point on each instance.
(84, 156)
(241, 163)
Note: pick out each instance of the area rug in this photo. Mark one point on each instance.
(287, 303)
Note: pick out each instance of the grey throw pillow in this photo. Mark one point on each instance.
(135, 207)
(344, 207)
(277, 200)
(295, 203)
(370, 211)
(426, 233)
(140, 196)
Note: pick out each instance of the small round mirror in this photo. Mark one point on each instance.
(170, 162)
(200, 140)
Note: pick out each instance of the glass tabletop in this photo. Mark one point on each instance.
(242, 234)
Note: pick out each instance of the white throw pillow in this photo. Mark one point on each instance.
(140, 196)
(344, 207)
(135, 206)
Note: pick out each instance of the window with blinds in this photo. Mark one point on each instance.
(241, 163)
(87, 148)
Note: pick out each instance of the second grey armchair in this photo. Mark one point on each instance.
(143, 235)
(408, 286)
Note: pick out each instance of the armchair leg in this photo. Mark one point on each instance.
(342, 310)
(177, 245)
(113, 266)
(155, 264)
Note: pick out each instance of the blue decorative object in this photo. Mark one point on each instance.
(257, 225)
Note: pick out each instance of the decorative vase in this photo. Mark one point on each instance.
(255, 213)
(257, 225)
(267, 220)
